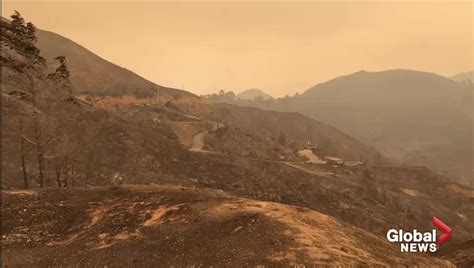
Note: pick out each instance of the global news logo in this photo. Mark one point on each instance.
(416, 241)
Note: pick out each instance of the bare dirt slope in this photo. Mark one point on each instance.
(295, 127)
(91, 74)
(153, 225)
(111, 85)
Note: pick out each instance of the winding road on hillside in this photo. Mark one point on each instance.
(198, 142)
(198, 146)
(198, 139)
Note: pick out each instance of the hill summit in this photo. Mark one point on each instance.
(251, 94)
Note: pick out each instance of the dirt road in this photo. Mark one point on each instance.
(198, 142)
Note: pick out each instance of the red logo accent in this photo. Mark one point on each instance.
(444, 228)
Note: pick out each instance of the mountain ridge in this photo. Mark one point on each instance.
(91, 74)
(413, 117)
(392, 75)
(251, 94)
(463, 77)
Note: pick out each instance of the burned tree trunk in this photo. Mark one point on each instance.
(58, 176)
(368, 184)
(73, 174)
(23, 164)
(39, 154)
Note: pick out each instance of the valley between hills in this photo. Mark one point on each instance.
(203, 183)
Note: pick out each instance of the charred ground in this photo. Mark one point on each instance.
(151, 139)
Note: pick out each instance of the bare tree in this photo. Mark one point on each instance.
(282, 139)
(22, 157)
(35, 92)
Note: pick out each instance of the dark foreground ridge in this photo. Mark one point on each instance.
(151, 225)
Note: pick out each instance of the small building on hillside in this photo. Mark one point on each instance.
(353, 163)
(331, 160)
(310, 145)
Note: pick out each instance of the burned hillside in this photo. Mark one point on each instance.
(230, 179)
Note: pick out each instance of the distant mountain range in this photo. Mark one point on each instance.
(415, 117)
(251, 94)
(462, 77)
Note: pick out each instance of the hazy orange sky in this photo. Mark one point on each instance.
(281, 47)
